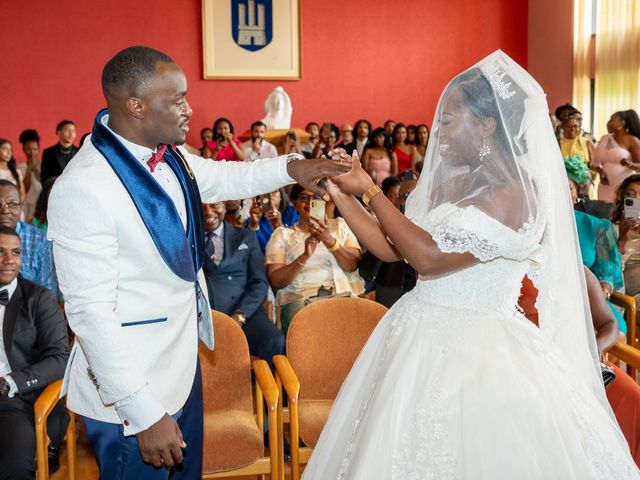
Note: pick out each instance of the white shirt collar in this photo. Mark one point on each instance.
(140, 152)
(220, 230)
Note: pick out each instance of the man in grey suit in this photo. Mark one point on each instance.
(237, 281)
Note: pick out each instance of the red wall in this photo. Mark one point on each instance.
(361, 58)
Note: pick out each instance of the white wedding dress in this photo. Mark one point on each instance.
(455, 383)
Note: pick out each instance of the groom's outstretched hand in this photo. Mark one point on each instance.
(309, 172)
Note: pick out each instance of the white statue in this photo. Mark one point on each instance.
(278, 110)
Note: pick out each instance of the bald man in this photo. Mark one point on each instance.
(126, 221)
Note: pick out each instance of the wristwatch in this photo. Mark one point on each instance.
(4, 388)
(241, 316)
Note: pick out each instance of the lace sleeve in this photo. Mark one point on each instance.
(468, 229)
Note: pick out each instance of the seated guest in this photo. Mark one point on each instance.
(363, 129)
(329, 134)
(292, 143)
(279, 212)
(313, 129)
(8, 169)
(30, 171)
(378, 160)
(224, 146)
(406, 153)
(346, 136)
(34, 350)
(389, 126)
(235, 214)
(257, 146)
(237, 283)
(411, 135)
(56, 158)
(422, 140)
(37, 254)
(390, 280)
(40, 215)
(312, 257)
(628, 234)
(206, 136)
(597, 237)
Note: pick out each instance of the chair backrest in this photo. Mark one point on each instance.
(226, 371)
(325, 338)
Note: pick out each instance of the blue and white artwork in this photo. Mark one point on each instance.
(252, 23)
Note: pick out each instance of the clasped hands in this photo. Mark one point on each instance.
(343, 173)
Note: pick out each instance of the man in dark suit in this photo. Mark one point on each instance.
(33, 353)
(237, 281)
(56, 158)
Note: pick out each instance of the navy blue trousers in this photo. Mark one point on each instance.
(119, 457)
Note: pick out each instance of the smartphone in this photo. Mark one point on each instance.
(318, 209)
(265, 202)
(219, 137)
(632, 208)
(291, 136)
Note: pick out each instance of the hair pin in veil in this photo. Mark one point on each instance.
(495, 77)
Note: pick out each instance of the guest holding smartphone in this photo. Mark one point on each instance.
(313, 254)
(224, 146)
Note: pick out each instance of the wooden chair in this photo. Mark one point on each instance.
(233, 435)
(629, 304)
(43, 406)
(629, 355)
(323, 341)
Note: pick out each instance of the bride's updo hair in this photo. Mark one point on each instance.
(480, 97)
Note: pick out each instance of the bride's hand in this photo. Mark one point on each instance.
(357, 181)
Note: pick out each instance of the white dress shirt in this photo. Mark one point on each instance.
(267, 150)
(162, 173)
(5, 367)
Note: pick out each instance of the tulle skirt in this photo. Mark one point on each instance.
(442, 393)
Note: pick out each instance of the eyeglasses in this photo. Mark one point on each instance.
(12, 206)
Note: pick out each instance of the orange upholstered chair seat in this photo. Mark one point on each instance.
(231, 440)
(312, 415)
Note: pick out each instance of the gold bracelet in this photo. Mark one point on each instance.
(302, 264)
(336, 246)
(369, 194)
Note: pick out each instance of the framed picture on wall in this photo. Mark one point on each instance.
(251, 39)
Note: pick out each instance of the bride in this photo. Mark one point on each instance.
(455, 382)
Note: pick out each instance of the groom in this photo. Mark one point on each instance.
(125, 218)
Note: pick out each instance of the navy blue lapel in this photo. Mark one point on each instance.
(183, 253)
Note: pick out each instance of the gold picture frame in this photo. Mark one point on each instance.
(251, 39)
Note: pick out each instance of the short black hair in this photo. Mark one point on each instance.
(389, 182)
(4, 230)
(9, 183)
(63, 123)
(29, 135)
(259, 123)
(130, 69)
(309, 124)
(295, 192)
(219, 121)
(562, 108)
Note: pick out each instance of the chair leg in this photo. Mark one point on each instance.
(295, 440)
(72, 454)
(42, 448)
